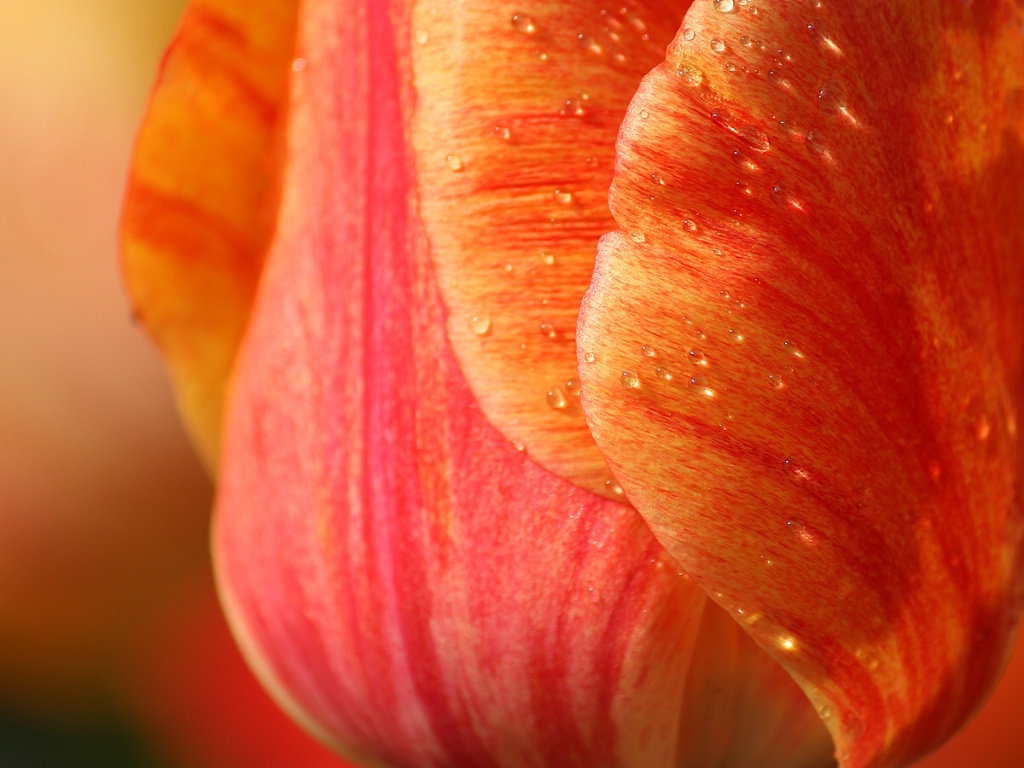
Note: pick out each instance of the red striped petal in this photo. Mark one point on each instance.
(410, 585)
(801, 353)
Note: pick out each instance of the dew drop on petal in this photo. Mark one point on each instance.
(523, 23)
(815, 145)
(717, 45)
(422, 36)
(630, 380)
(725, 6)
(831, 97)
(647, 351)
(454, 162)
(556, 398)
(690, 74)
(480, 325)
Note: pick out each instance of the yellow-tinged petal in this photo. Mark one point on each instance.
(202, 198)
(518, 106)
(831, 281)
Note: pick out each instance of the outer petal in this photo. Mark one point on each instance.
(203, 193)
(821, 211)
(401, 576)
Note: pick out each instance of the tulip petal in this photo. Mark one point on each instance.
(414, 589)
(518, 107)
(202, 197)
(820, 213)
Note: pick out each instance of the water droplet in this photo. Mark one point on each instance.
(787, 127)
(519, 446)
(775, 381)
(613, 487)
(422, 36)
(644, 114)
(576, 106)
(743, 161)
(699, 384)
(572, 388)
(776, 77)
(831, 97)
(745, 41)
(689, 225)
(717, 45)
(589, 357)
(689, 34)
(556, 398)
(797, 471)
(743, 188)
(725, 6)
(548, 258)
(663, 374)
(736, 336)
(800, 531)
(630, 380)
(547, 329)
(298, 65)
(815, 145)
(791, 349)
(565, 198)
(523, 23)
(647, 351)
(454, 162)
(755, 138)
(691, 74)
(656, 178)
(698, 358)
(983, 429)
(480, 325)
(782, 196)
(638, 237)
(820, 35)
(730, 67)
(589, 43)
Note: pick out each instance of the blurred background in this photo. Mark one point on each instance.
(112, 649)
(113, 652)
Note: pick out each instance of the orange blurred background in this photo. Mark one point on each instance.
(112, 650)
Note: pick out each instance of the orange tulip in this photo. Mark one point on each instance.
(756, 503)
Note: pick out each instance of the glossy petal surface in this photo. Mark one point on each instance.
(518, 107)
(417, 591)
(202, 197)
(801, 353)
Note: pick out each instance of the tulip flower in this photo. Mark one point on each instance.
(601, 385)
